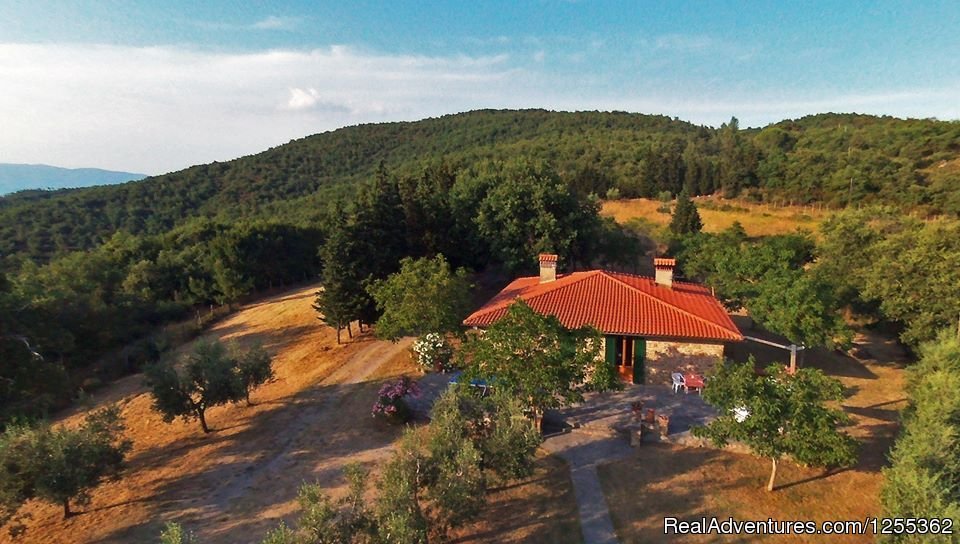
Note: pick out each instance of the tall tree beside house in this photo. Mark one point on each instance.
(686, 218)
(60, 465)
(924, 472)
(424, 296)
(528, 210)
(535, 358)
(778, 415)
(802, 307)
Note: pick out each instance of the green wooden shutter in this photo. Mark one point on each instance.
(610, 352)
(639, 354)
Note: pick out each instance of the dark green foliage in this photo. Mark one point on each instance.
(424, 296)
(916, 278)
(534, 358)
(778, 415)
(528, 210)
(769, 278)
(896, 268)
(211, 376)
(255, 367)
(59, 465)
(342, 296)
(924, 473)
(686, 218)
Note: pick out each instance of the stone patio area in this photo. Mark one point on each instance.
(610, 413)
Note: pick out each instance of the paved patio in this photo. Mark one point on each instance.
(596, 435)
(610, 413)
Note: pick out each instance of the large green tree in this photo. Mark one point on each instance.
(209, 378)
(924, 473)
(536, 359)
(341, 298)
(425, 296)
(60, 465)
(529, 210)
(778, 415)
(916, 278)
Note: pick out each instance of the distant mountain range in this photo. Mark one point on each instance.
(18, 177)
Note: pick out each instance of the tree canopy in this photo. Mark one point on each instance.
(536, 359)
(425, 296)
(59, 464)
(924, 471)
(778, 415)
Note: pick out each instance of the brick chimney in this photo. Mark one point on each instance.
(664, 268)
(548, 267)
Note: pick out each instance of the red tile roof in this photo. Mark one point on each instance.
(617, 303)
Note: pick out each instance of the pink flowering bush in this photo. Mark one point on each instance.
(390, 400)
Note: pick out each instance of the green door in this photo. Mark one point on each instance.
(610, 352)
(639, 352)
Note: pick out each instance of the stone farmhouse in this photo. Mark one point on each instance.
(652, 327)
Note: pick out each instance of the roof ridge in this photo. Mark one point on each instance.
(550, 289)
(675, 281)
(663, 302)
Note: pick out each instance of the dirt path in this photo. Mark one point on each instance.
(234, 484)
(315, 409)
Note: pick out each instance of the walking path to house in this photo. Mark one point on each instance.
(596, 437)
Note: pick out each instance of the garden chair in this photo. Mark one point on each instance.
(678, 382)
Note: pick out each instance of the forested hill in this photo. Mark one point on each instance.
(831, 158)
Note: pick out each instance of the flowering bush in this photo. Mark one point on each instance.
(390, 400)
(433, 352)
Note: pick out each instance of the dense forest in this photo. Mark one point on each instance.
(830, 158)
(89, 276)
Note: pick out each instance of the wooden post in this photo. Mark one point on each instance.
(793, 359)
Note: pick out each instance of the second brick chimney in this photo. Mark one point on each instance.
(548, 267)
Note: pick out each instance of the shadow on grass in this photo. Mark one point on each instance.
(265, 457)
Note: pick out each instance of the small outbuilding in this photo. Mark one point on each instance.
(652, 327)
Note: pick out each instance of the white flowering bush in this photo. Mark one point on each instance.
(433, 352)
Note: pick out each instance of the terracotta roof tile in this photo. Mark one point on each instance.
(617, 303)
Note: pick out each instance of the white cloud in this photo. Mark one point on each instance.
(274, 22)
(156, 109)
(161, 108)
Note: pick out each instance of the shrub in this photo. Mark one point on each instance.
(433, 353)
(390, 400)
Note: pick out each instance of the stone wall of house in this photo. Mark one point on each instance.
(666, 357)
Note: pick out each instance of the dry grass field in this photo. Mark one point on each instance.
(540, 509)
(757, 219)
(234, 484)
(689, 483)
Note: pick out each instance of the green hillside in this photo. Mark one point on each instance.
(830, 158)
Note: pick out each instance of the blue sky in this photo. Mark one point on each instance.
(157, 86)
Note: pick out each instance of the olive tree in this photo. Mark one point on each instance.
(778, 415)
(209, 378)
(60, 465)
